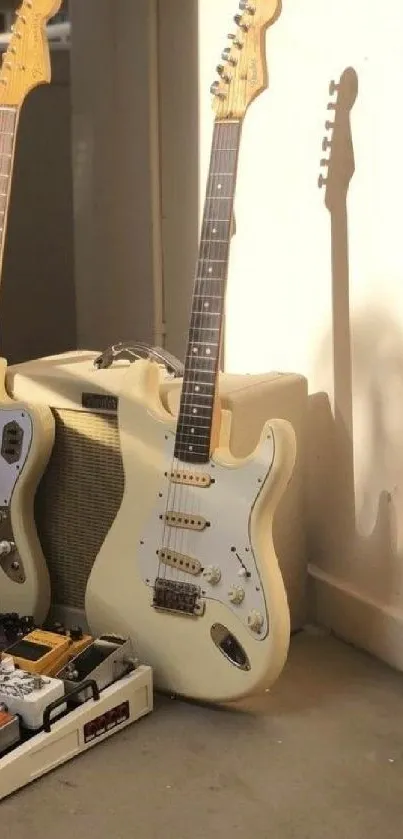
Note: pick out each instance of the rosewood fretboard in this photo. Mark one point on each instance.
(203, 350)
(8, 128)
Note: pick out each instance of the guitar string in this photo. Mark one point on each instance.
(203, 316)
(181, 493)
(207, 245)
(177, 494)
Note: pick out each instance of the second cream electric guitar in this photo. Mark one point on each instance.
(188, 569)
(26, 431)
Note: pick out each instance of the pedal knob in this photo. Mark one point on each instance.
(255, 620)
(212, 574)
(236, 594)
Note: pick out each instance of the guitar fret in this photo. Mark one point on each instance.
(206, 328)
(193, 433)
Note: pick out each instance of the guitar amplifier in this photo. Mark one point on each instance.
(81, 490)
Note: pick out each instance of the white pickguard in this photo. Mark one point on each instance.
(10, 472)
(226, 505)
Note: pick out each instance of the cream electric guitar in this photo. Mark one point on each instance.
(26, 432)
(188, 569)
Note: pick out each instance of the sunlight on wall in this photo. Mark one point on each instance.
(279, 299)
(279, 282)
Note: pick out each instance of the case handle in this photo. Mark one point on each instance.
(89, 684)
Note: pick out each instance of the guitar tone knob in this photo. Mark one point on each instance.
(212, 574)
(236, 594)
(255, 620)
(6, 547)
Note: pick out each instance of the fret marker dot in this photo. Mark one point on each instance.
(210, 270)
(214, 230)
(219, 186)
(194, 411)
(206, 305)
(195, 349)
(190, 448)
(208, 352)
(197, 388)
(192, 431)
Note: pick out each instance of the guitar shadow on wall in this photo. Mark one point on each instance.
(353, 478)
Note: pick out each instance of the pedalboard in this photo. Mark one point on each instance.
(84, 726)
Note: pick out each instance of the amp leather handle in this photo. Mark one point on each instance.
(133, 351)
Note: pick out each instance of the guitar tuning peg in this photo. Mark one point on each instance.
(215, 90)
(226, 56)
(326, 143)
(331, 106)
(241, 23)
(329, 125)
(235, 39)
(321, 181)
(221, 72)
(324, 162)
(245, 6)
(333, 87)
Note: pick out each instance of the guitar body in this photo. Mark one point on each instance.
(26, 442)
(238, 509)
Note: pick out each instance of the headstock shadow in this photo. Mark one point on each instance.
(340, 164)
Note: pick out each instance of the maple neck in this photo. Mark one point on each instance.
(8, 129)
(199, 389)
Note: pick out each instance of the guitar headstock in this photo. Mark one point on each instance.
(340, 165)
(243, 71)
(26, 62)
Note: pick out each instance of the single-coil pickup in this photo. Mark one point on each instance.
(197, 479)
(185, 520)
(180, 561)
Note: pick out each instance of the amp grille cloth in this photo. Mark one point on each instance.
(78, 499)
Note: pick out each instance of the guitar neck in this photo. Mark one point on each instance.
(8, 130)
(342, 361)
(199, 390)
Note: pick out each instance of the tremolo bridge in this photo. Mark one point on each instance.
(174, 596)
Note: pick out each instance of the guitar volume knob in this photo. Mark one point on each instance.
(236, 595)
(212, 574)
(255, 621)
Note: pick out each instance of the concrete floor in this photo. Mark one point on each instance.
(320, 757)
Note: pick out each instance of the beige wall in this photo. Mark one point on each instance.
(286, 311)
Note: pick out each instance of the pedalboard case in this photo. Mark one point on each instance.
(47, 720)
